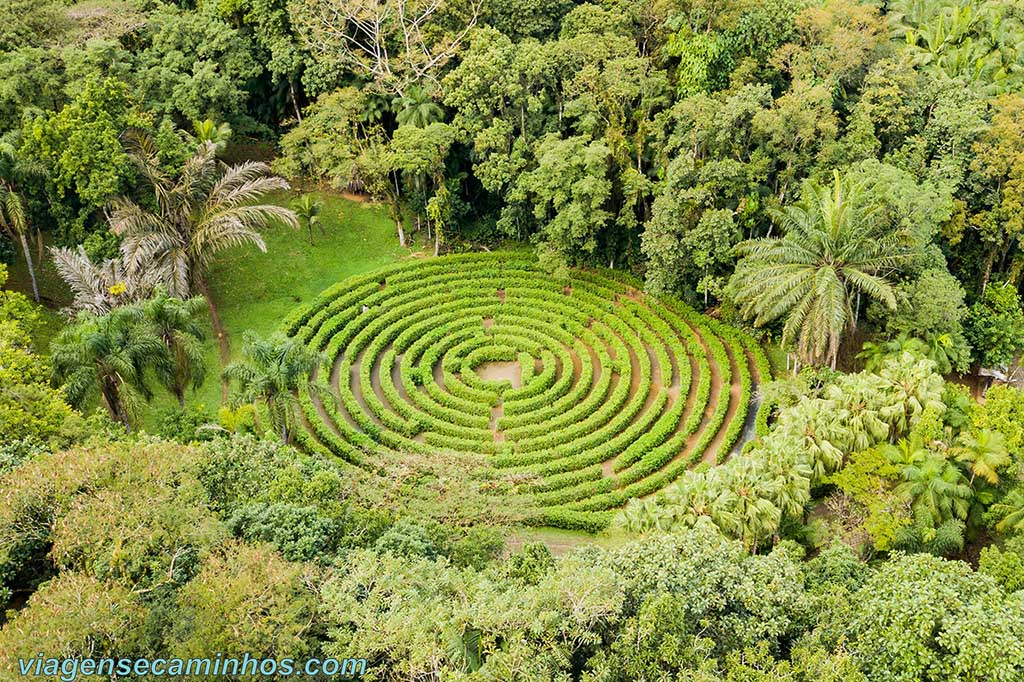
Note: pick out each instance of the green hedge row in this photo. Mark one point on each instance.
(606, 376)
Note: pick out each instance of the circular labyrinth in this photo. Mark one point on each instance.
(584, 391)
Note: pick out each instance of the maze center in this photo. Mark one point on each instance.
(586, 392)
(500, 372)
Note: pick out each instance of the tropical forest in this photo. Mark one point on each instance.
(512, 340)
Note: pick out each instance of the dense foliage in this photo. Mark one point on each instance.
(658, 195)
(272, 557)
(655, 136)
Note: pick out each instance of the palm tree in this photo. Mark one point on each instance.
(695, 496)
(748, 510)
(13, 219)
(107, 354)
(1010, 511)
(273, 371)
(98, 289)
(206, 209)
(875, 354)
(815, 431)
(790, 476)
(913, 387)
(857, 412)
(937, 489)
(833, 251)
(374, 108)
(307, 208)
(641, 516)
(208, 131)
(416, 107)
(174, 322)
(984, 452)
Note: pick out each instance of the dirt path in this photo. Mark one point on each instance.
(714, 395)
(497, 371)
(735, 389)
(438, 371)
(221, 333)
(375, 374)
(335, 382)
(355, 381)
(497, 412)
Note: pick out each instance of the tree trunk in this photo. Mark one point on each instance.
(437, 243)
(31, 267)
(401, 232)
(295, 103)
(987, 273)
(112, 399)
(39, 245)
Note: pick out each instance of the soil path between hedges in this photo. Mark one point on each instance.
(735, 390)
(355, 380)
(714, 395)
(320, 409)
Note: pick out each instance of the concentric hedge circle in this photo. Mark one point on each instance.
(586, 392)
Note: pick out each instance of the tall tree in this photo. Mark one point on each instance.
(984, 452)
(13, 218)
(174, 322)
(748, 503)
(207, 208)
(833, 251)
(416, 107)
(1010, 512)
(98, 289)
(936, 487)
(272, 372)
(108, 355)
(393, 43)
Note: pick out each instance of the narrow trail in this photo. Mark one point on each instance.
(497, 412)
(714, 395)
(335, 382)
(652, 392)
(375, 374)
(634, 380)
(691, 395)
(396, 378)
(438, 373)
(320, 409)
(354, 382)
(220, 332)
(735, 389)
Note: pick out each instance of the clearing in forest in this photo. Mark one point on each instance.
(574, 396)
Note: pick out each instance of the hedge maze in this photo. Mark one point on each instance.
(579, 393)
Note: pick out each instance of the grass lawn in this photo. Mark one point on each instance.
(52, 291)
(563, 541)
(255, 290)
